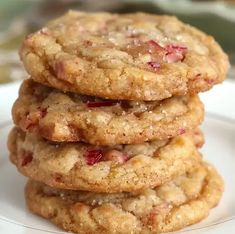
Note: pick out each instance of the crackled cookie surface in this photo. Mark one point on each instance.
(172, 206)
(62, 116)
(103, 169)
(131, 56)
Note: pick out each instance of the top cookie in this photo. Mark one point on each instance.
(131, 56)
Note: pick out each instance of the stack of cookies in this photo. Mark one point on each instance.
(107, 124)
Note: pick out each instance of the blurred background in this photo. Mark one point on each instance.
(20, 17)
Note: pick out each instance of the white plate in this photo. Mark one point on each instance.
(219, 128)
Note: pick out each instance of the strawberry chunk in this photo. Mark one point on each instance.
(154, 47)
(154, 65)
(94, 104)
(93, 156)
(125, 157)
(26, 158)
(157, 52)
(210, 81)
(32, 119)
(170, 53)
(175, 53)
(182, 131)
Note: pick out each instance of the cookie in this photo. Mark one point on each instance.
(169, 207)
(60, 116)
(103, 169)
(130, 56)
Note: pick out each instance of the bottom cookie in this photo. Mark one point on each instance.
(174, 205)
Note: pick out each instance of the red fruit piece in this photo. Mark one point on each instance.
(33, 118)
(154, 47)
(125, 157)
(93, 156)
(175, 53)
(210, 81)
(26, 158)
(154, 65)
(182, 131)
(94, 104)
(157, 52)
